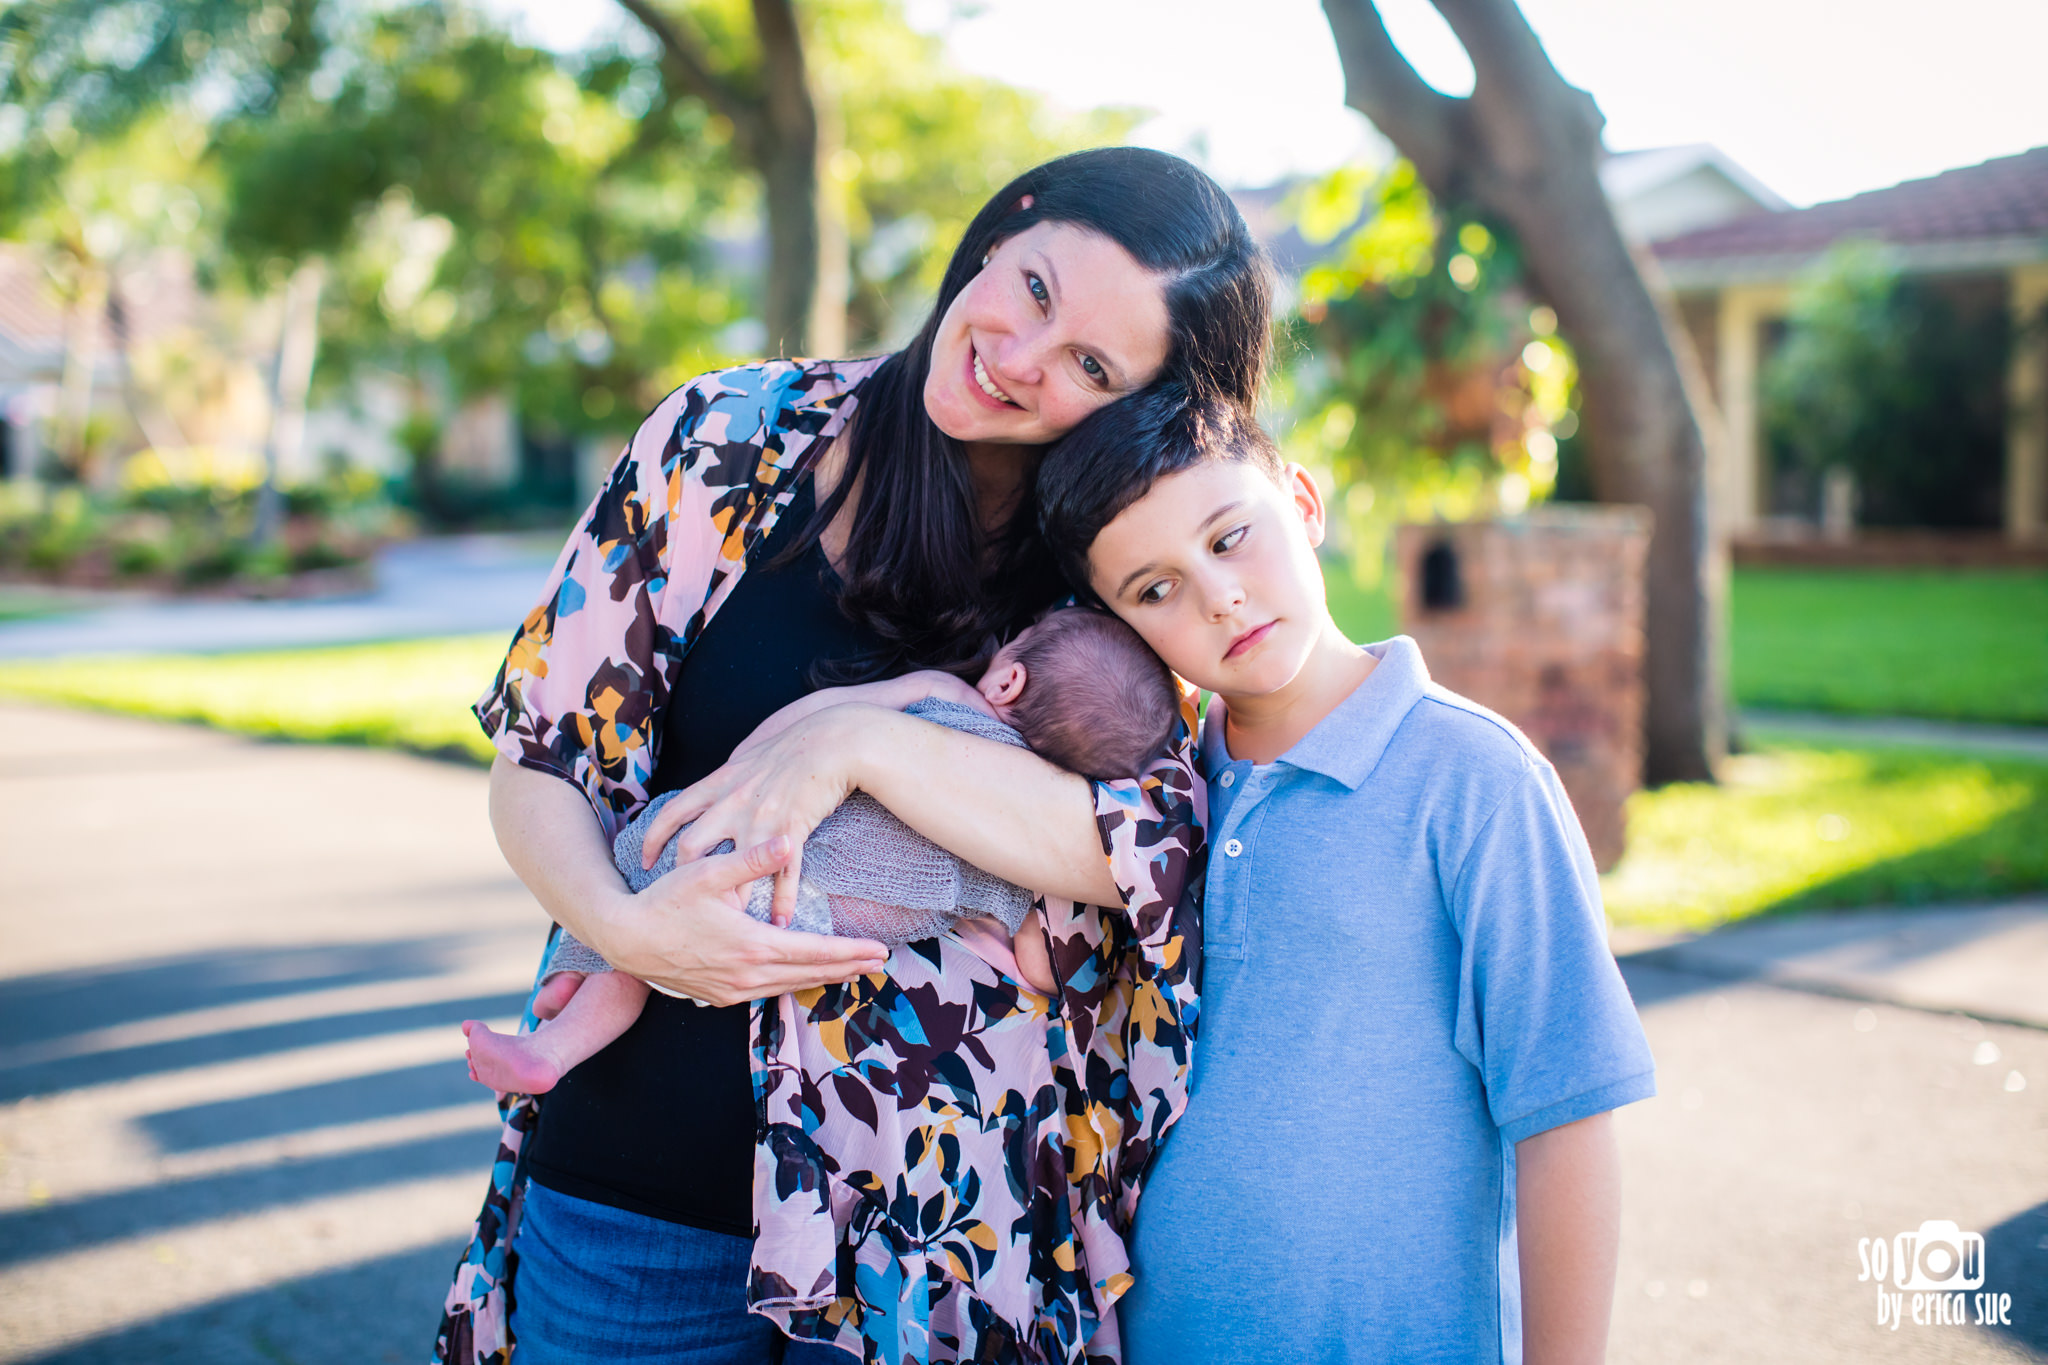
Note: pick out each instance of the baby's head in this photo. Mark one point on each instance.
(1180, 515)
(1083, 690)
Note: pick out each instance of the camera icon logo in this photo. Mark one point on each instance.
(1939, 1258)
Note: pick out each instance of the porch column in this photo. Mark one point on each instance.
(1738, 344)
(2026, 408)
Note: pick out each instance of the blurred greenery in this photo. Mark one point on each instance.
(1894, 381)
(1794, 826)
(1419, 375)
(1947, 644)
(1363, 614)
(187, 522)
(492, 217)
(18, 606)
(412, 695)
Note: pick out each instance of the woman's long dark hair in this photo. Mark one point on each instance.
(919, 570)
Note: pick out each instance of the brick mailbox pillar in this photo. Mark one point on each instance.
(1541, 619)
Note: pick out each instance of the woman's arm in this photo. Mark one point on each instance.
(686, 933)
(894, 693)
(1001, 808)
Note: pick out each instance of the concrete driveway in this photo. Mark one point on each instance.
(235, 1128)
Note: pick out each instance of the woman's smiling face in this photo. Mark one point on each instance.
(1059, 322)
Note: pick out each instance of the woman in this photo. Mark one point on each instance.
(843, 521)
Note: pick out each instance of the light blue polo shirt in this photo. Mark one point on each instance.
(1405, 972)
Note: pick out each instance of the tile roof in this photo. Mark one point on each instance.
(2006, 197)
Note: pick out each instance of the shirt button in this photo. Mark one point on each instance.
(1229, 779)
(1233, 848)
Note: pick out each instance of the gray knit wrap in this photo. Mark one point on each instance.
(866, 874)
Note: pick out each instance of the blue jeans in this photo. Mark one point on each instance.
(598, 1284)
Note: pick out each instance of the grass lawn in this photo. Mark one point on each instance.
(1953, 645)
(1944, 644)
(1796, 825)
(1362, 613)
(411, 694)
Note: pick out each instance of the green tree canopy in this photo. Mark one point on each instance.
(1422, 378)
(501, 217)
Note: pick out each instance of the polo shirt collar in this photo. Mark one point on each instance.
(1345, 745)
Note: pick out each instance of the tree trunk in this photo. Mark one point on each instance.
(84, 302)
(775, 131)
(1525, 146)
(297, 345)
(789, 182)
(835, 256)
(1644, 446)
(159, 428)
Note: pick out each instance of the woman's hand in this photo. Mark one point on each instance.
(689, 936)
(779, 789)
(685, 933)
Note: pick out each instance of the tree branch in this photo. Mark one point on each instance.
(686, 65)
(1514, 78)
(1379, 83)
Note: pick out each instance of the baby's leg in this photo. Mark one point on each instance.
(1034, 958)
(1023, 958)
(604, 1007)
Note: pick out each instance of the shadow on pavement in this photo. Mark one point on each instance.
(353, 1099)
(45, 1078)
(40, 1008)
(37, 1014)
(2016, 1263)
(316, 1320)
(54, 1229)
(1976, 958)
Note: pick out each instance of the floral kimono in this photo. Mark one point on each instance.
(946, 1162)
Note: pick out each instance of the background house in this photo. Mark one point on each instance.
(1661, 192)
(1977, 235)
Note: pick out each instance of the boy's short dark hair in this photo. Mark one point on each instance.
(1096, 700)
(1119, 451)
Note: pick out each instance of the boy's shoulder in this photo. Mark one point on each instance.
(1402, 737)
(1472, 737)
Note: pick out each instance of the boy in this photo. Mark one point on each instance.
(1397, 1146)
(1077, 687)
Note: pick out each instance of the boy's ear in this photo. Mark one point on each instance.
(1308, 501)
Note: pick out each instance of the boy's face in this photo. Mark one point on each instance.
(1215, 567)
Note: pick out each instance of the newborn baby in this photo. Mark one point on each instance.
(1078, 688)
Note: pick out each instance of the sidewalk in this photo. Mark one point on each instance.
(1986, 961)
(454, 585)
(2015, 741)
(235, 1127)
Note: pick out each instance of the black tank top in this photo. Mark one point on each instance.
(662, 1121)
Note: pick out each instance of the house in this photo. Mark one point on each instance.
(39, 335)
(1978, 233)
(1660, 192)
(188, 372)
(1656, 192)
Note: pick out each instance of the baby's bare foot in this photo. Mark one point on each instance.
(508, 1063)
